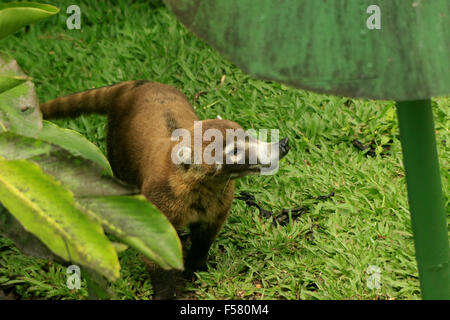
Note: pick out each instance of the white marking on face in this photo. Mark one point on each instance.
(233, 157)
(184, 155)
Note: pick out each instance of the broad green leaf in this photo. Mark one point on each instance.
(76, 143)
(17, 147)
(83, 177)
(48, 211)
(15, 15)
(136, 222)
(27, 243)
(10, 73)
(119, 246)
(98, 287)
(133, 219)
(10, 81)
(19, 108)
(328, 46)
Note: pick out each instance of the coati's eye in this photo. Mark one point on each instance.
(235, 151)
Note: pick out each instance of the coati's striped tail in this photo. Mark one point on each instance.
(98, 100)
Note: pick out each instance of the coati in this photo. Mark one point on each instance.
(142, 116)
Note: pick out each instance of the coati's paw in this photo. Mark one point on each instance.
(164, 294)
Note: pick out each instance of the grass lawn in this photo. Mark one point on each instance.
(324, 254)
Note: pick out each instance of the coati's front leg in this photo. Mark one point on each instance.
(202, 236)
(163, 282)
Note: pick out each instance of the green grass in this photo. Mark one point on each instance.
(322, 255)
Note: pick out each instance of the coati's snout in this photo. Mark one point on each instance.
(252, 157)
(222, 149)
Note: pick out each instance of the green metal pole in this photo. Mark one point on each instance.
(425, 197)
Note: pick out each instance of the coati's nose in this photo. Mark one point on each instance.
(284, 147)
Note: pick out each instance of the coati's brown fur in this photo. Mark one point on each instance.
(141, 118)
